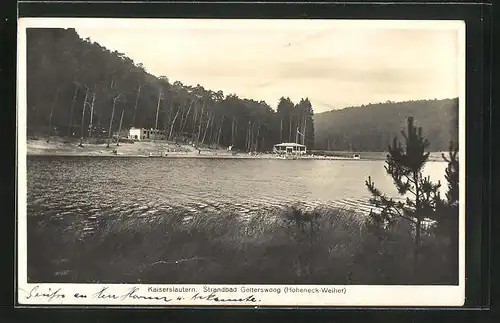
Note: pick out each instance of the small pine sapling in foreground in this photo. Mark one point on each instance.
(405, 165)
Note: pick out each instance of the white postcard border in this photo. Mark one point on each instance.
(289, 295)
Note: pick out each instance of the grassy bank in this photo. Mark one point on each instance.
(324, 246)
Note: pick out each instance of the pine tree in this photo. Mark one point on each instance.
(405, 165)
(446, 216)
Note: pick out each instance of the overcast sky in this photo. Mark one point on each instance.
(334, 64)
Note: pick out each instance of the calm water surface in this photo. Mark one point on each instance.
(90, 187)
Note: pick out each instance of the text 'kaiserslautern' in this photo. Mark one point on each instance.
(171, 289)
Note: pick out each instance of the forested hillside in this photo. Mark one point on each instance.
(372, 127)
(77, 87)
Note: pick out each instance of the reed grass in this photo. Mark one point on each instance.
(293, 246)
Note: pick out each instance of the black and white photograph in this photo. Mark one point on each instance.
(241, 162)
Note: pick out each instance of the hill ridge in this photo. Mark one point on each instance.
(371, 127)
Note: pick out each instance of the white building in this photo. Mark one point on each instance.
(290, 148)
(145, 134)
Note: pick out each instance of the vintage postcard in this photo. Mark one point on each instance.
(192, 162)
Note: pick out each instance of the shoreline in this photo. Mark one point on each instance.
(186, 156)
(62, 147)
(57, 147)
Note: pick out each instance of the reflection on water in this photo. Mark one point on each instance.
(88, 188)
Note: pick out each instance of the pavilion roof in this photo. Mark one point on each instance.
(289, 144)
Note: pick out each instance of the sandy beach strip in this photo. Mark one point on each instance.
(162, 149)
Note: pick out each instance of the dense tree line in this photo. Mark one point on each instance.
(372, 127)
(79, 88)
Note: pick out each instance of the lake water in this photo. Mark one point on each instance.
(94, 187)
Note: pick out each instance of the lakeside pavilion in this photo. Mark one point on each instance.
(290, 148)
